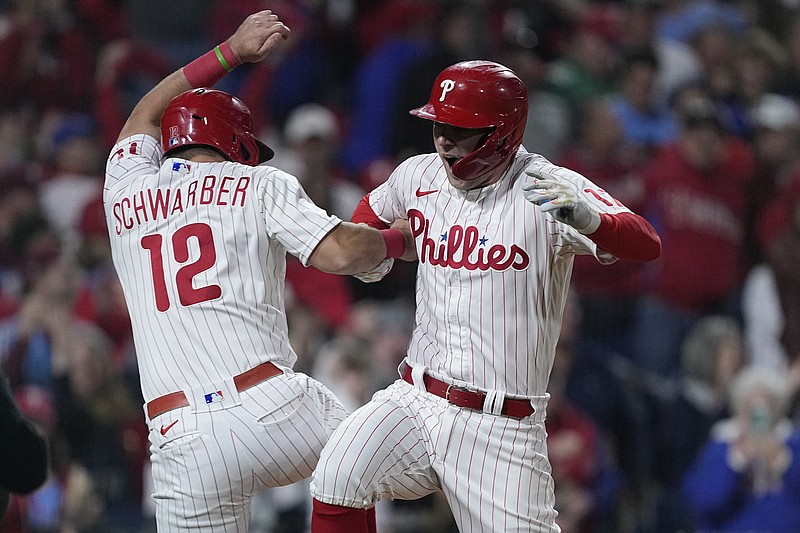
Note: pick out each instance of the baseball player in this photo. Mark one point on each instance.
(496, 229)
(199, 233)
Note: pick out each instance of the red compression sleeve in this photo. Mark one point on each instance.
(326, 518)
(372, 522)
(365, 215)
(627, 236)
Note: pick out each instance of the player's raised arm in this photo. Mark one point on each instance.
(251, 43)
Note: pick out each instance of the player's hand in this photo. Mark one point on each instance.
(257, 36)
(377, 273)
(562, 199)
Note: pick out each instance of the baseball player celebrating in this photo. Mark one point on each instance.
(496, 229)
(199, 236)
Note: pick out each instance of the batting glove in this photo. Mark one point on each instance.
(562, 199)
(377, 273)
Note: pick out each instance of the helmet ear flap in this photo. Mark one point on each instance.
(246, 155)
(501, 144)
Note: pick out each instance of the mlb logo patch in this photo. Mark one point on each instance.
(173, 141)
(214, 397)
(180, 165)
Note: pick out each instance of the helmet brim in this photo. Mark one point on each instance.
(453, 116)
(426, 112)
(265, 153)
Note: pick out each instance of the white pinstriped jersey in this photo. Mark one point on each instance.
(200, 249)
(493, 274)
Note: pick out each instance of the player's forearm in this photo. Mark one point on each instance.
(204, 71)
(353, 248)
(146, 116)
(251, 43)
(627, 236)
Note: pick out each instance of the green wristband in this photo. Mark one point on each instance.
(222, 60)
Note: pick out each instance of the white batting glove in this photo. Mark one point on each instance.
(377, 273)
(562, 199)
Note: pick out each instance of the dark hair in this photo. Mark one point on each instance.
(640, 56)
(192, 150)
(700, 112)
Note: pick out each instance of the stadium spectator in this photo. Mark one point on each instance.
(100, 418)
(747, 477)
(647, 122)
(695, 195)
(74, 177)
(710, 356)
(33, 341)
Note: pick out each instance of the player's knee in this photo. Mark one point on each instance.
(336, 483)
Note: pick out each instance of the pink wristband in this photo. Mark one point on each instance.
(395, 242)
(210, 67)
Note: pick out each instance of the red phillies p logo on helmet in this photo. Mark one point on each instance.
(447, 86)
(480, 94)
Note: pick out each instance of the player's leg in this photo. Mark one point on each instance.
(196, 479)
(381, 450)
(288, 420)
(496, 475)
(208, 465)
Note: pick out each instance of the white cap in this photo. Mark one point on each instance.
(311, 120)
(776, 112)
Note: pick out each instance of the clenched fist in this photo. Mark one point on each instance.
(257, 35)
(377, 273)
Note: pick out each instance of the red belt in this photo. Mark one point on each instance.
(243, 381)
(470, 399)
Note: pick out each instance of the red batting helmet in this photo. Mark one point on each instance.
(480, 94)
(213, 118)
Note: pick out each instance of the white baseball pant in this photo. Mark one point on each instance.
(207, 466)
(406, 443)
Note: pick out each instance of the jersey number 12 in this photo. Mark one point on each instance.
(188, 294)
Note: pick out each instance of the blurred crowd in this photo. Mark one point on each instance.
(674, 396)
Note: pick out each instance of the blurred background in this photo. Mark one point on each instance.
(675, 388)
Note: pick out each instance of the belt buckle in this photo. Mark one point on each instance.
(455, 388)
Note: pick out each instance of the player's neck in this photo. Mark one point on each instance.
(204, 158)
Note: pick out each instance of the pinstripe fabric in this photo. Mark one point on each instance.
(492, 280)
(406, 444)
(188, 345)
(208, 466)
(494, 325)
(200, 249)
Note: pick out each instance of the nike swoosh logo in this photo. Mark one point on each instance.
(420, 193)
(164, 429)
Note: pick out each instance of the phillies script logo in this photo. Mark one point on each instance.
(463, 247)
